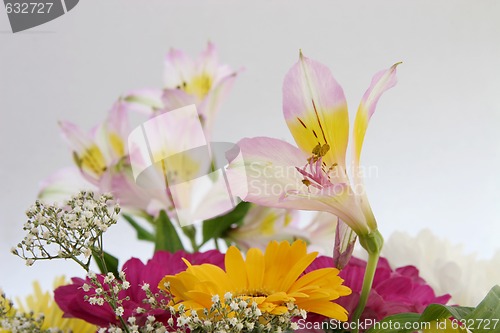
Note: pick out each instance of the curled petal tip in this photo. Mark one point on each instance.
(393, 67)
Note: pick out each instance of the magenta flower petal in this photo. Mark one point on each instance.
(70, 298)
(393, 291)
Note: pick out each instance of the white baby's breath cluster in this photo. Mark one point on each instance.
(230, 315)
(106, 290)
(155, 301)
(233, 314)
(19, 322)
(71, 231)
(150, 326)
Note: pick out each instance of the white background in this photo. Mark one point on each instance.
(434, 137)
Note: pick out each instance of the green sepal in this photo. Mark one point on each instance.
(149, 102)
(372, 242)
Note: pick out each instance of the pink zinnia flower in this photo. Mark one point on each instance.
(70, 298)
(393, 291)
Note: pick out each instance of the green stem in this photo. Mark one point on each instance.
(194, 245)
(190, 232)
(112, 304)
(371, 266)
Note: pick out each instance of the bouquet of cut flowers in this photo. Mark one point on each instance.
(234, 250)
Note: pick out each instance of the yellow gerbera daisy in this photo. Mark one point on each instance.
(43, 303)
(271, 280)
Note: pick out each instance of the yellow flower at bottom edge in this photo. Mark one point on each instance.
(271, 280)
(43, 303)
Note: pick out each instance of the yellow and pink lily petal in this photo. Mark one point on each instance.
(101, 158)
(195, 77)
(203, 82)
(314, 175)
(264, 224)
(94, 152)
(64, 183)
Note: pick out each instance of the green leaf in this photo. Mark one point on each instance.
(217, 226)
(106, 262)
(438, 311)
(167, 237)
(142, 233)
(486, 317)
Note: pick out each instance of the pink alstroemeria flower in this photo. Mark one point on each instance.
(101, 158)
(264, 224)
(313, 176)
(203, 82)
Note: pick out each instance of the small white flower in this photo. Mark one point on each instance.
(87, 252)
(110, 277)
(234, 306)
(88, 214)
(145, 287)
(119, 311)
(228, 296)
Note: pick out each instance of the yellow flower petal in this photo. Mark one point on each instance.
(271, 280)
